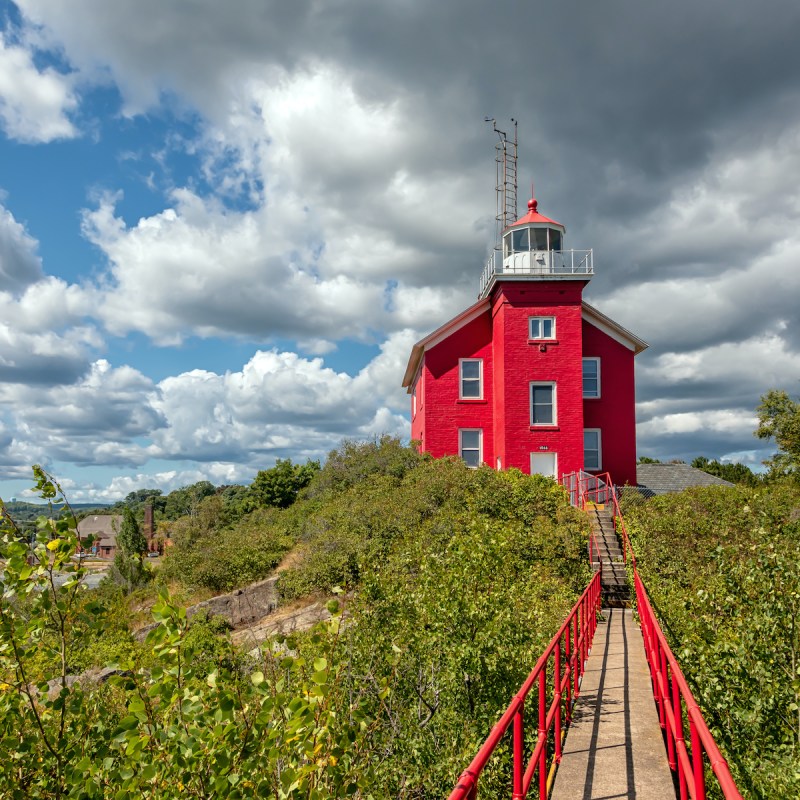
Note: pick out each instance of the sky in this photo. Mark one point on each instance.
(223, 225)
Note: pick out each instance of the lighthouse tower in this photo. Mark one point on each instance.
(530, 376)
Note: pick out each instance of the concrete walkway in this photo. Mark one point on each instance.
(614, 748)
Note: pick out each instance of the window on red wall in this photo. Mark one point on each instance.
(470, 379)
(591, 377)
(543, 403)
(541, 327)
(470, 446)
(592, 450)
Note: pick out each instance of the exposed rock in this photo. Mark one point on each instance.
(239, 607)
(284, 622)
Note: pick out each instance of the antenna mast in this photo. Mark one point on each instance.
(505, 157)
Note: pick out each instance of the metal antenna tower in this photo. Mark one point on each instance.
(505, 157)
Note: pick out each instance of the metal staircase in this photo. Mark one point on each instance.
(609, 558)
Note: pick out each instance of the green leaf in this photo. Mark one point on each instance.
(257, 678)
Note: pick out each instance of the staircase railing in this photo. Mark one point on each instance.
(674, 699)
(566, 656)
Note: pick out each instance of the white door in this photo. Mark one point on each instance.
(543, 464)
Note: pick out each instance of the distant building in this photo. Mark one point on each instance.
(104, 529)
(656, 479)
(530, 376)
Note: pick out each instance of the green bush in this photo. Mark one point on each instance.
(722, 566)
(207, 554)
(170, 728)
(350, 529)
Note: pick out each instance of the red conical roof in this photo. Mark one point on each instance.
(534, 216)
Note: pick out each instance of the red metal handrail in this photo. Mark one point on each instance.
(674, 700)
(569, 649)
(672, 695)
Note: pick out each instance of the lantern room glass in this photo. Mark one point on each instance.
(524, 240)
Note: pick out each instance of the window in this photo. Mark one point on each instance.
(591, 377)
(540, 239)
(520, 240)
(414, 402)
(543, 404)
(592, 452)
(541, 327)
(470, 446)
(471, 378)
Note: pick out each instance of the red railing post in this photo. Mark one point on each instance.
(519, 752)
(577, 668)
(680, 743)
(568, 671)
(543, 733)
(584, 635)
(671, 758)
(557, 699)
(697, 762)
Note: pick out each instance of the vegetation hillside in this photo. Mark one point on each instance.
(457, 579)
(722, 566)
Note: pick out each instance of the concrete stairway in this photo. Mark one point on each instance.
(614, 578)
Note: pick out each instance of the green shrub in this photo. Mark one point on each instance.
(221, 558)
(722, 566)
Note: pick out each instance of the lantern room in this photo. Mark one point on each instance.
(533, 249)
(533, 232)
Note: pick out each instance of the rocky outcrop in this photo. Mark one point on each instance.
(281, 622)
(240, 607)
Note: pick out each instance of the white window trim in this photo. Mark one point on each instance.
(541, 338)
(530, 403)
(461, 379)
(479, 431)
(599, 467)
(597, 396)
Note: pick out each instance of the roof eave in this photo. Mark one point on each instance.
(613, 329)
(441, 333)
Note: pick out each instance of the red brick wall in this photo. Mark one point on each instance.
(525, 361)
(510, 362)
(499, 357)
(614, 413)
(444, 412)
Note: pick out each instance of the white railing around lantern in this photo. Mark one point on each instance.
(556, 263)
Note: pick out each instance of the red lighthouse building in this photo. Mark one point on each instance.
(530, 376)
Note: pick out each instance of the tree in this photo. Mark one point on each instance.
(735, 473)
(779, 420)
(186, 500)
(278, 487)
(130, 539)
(129, 569)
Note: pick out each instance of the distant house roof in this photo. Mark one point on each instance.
(664, 478)
(102, 526)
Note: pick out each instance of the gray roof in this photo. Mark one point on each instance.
(665, 478)
(103, 527)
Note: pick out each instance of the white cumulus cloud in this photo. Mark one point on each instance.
(35, 104)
